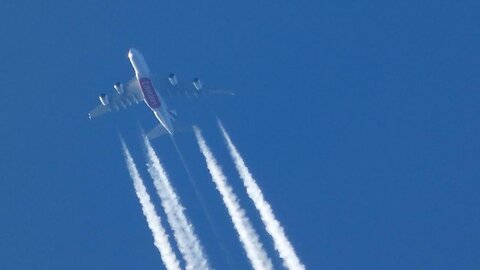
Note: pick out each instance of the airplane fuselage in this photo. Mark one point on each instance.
(151, 97)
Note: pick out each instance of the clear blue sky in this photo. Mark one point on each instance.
(359, 120)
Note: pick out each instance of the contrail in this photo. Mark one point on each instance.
(187, 241)
(210, 220)
(249, 238)
(153, 220)
(272, 225)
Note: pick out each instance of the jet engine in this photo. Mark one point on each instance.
(119, 88)
(197, 83)
(173, 79)
(104, 99)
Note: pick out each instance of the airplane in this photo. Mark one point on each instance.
(141, 88)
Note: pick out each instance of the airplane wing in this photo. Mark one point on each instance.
(123, 97)
(170, 86)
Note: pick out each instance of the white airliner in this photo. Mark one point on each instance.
(141, 88)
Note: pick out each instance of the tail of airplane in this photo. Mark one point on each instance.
(156, 132)
(160, 130)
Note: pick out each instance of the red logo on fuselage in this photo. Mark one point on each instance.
(149, 93)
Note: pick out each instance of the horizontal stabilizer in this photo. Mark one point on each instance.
(159, 130)
(156, 132)
(180, 126)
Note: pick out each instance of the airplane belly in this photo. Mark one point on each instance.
(149, 93)
(164, 121)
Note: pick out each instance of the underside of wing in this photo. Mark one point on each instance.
(97, 111)
(121, 98)
(171, 86)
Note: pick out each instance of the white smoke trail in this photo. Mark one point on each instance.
(249, 238)
(272, 225)
(187, 241)
(153, 220)
(225, 254)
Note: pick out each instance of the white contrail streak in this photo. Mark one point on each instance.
(153, 220)
(272, 225)
(187, 241)
(210, 220)
(249, 238)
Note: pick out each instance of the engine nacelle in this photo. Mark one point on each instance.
(119, 88)
(173, 79)
(197, 83)
(104, 99)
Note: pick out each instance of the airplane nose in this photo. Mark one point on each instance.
(131, 52)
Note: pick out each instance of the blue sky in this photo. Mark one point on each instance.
(359, 120)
